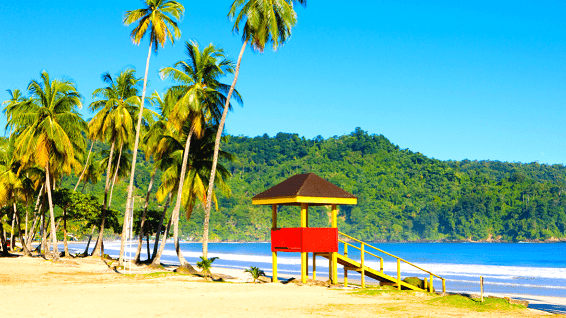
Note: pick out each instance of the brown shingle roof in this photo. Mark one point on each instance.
(305, 185)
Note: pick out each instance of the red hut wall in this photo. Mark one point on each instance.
(303, 239)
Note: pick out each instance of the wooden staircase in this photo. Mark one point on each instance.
(360, 267)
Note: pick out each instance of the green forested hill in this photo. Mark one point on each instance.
(402, 195)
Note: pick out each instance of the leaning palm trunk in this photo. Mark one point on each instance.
(142, 222)
(98, 247)
(85, 253)
(215, 157)
(175, 215)
(65, 233)
(21, 237)
(85, 167)
(129, 203)
(159, 227)
(115, 174)
(12, 237)
(51, 214)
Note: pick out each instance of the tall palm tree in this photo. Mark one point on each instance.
(157, 15)
(49, 132)
(264, 21)
(201, 96)
(115, 104)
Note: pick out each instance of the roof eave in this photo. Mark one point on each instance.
(304, 199)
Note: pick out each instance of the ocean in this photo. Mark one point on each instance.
(514, 268)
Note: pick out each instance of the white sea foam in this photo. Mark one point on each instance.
(445, 270)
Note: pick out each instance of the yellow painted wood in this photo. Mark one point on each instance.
(334, 268)
(363, 268)
(330, 271)
(274, 216)
(431, 283)
(443, 285)
(313, 266)
(302, 199)
(345, 269)
(334, 216)
(274, 266)
(304, 211)
(381, 264)
(303, 267)
(399, 274)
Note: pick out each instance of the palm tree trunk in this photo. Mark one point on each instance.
(98, 246)
(159, 227)
(215, 158)
(85, 253)
(12, 237)
(20, 236)
(51, 213)
(142, 223)
(3, 240)
(43, 231)
(147, 245)
(157, 253)
(86, 165)
(177, 208)
(115, 174)
(129, 204)
(65, 232)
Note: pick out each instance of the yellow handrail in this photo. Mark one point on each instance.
(399, 260)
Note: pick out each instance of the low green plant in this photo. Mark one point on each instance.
(205, 264)
(256, 272)
(488, 304)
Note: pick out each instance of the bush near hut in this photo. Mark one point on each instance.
(415, 281)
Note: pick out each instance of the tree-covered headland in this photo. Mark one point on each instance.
(402, 195)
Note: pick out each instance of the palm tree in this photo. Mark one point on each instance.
(116, 104)
(264, 21)
(200, 99)
(48, 130)
(157, 15)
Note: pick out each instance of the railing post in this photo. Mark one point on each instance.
(398, 274)
(363, 267)
(444, 285)
(274, 254)
(381, 264)
(431, 288)
(345, 270)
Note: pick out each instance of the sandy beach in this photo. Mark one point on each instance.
(90, 287)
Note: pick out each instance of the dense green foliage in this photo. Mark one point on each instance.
(402, 195)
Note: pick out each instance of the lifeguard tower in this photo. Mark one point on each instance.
(306, 190)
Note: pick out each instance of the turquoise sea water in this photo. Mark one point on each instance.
(530, 269)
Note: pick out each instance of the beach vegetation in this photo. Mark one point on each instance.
(255, 272)
(205, 265)
(263, 22)
(475, 304)
(157, 16)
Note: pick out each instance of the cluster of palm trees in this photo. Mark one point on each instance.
(48, 137)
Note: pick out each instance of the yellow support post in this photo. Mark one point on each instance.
(334, 266)
(381, 265)
(303, 268)
(430, 285)
(363, 268)
(304, 257)
(274, 254)
(345, 270)
(399, 274)
(274, 267)
(334, 216)
(444, 285)
(313, 266)
(330, 271)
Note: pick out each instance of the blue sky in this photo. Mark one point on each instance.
(452, 80)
